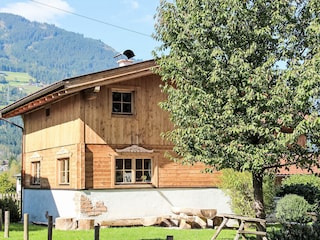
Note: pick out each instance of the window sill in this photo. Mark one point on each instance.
(122, 115)
(134, 185)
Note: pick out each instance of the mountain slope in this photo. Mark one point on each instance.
(47, 52)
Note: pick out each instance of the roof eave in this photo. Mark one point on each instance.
(76, 84)
(25, 100)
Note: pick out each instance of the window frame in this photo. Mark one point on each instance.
(63, 171)
(121, 102)
(133, 171)
(35, 173)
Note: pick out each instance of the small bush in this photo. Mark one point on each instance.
(8, 204)
(295, 232)
(293, 208)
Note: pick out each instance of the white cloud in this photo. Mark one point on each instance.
(40, 10)
(133, 4)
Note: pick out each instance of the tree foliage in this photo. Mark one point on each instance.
(240, 76)
(6, 184)
(10, 139)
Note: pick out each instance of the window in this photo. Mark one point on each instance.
(47, 112)
(63, 170)
(35, 177)
(133, 170)
(122, 102)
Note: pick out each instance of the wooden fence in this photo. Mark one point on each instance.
(13, 196)
(50, 227)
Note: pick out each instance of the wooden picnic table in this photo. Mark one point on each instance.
(260, 223)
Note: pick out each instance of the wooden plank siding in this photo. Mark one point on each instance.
(176, 175)
(48, 159)
(98, 167)
(82, 125)
(100, 170)
(143, 127)
(61, 127)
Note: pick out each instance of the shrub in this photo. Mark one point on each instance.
(296, 231)
(293, 208)
(238, 185)
(9, 204)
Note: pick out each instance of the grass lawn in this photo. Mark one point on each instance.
(123, 233)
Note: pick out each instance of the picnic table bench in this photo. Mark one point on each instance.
(260, 223)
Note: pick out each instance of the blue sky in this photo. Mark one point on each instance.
(133, 20)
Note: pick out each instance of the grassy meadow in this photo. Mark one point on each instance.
(117, 233)
(22, 81)
(19, 80)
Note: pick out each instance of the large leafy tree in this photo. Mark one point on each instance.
(242, 78)
(6, 184)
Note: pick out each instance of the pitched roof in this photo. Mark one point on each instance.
(73, 85)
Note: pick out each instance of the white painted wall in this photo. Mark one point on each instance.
(121, 203)
(56, 203)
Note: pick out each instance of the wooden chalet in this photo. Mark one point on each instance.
(92, 148)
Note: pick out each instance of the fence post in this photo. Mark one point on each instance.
(169, 238)
(26, 226)
(50, 227)
(97, 232)
(0, 219)
(6, 224)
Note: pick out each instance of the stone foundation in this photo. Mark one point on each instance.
(73, 224)
(65, 223)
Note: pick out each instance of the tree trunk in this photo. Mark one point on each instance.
(257, 180)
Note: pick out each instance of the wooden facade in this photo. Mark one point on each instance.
(74, 138)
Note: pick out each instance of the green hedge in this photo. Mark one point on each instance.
(307, 186)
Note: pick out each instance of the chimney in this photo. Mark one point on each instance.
(124, 62)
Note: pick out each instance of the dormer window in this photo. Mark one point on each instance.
(122, 102)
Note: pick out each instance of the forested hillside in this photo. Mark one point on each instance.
(49, 53)
(45, 54)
